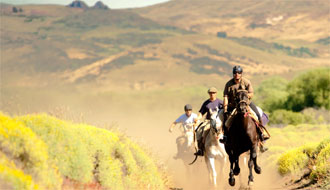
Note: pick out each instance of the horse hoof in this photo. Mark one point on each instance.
(250, 183)
(237, 171)
(231, 181)
(257, 169)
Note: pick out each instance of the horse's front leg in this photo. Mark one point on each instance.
(231, 179)
(237, 170)
(212, 172)
(250, 164)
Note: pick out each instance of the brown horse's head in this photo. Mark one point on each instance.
(242, 101)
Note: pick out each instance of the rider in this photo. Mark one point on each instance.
(187, 120)
(229, 100)
(212, 103)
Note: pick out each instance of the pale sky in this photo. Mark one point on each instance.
(114, 4)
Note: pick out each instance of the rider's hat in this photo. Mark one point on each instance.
(237, 69)
(187, 107)
(212, 89)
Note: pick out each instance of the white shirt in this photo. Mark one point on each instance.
(187, 122)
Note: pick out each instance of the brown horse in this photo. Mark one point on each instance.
(242, 136)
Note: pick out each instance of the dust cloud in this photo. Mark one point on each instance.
(144, 122)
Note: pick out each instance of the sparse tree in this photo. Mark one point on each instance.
(222, 34)
(15, 10)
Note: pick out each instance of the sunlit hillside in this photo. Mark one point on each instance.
(300, 20)
(121, 49)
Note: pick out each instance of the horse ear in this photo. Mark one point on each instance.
(240, 87)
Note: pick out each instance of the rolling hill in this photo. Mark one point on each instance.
(156, 48)
(272, 20)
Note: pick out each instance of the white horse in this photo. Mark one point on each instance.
(213, 148)
(186, 147)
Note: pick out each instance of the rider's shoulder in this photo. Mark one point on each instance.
(246, 81)
(206, 102)
(230, 82)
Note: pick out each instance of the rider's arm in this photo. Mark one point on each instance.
(225, 98)
(225, 104)
(249, 89)
(198, 118)
(172, 126)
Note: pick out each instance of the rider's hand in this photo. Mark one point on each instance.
(225, 115)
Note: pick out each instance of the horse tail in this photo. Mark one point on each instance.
(194, 160)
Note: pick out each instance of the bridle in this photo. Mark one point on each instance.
(242, 101)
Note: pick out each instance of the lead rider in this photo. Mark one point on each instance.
(229, 103)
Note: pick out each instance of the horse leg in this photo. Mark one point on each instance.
(212, 172)
(237, 170)
(231, 173)
(250, 163)
(257, 169)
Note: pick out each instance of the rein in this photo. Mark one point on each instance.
(243, 101)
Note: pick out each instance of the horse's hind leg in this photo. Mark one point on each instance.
(250, 164)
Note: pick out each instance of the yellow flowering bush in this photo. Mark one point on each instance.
(13, 178)
(88, 154)
(30, 154)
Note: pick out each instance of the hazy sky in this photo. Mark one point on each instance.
(111, 3)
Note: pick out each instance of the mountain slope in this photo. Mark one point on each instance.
(289, 20)
(116, 48)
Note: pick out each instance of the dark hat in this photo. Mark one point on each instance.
(237, 69)
(187, 107)
(212, 89)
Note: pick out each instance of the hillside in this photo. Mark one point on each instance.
(271, 20)
(60, 45)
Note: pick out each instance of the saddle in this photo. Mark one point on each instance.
(253, 116)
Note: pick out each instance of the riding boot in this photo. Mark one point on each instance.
(261, 134)
(262, 147)
(200, 151)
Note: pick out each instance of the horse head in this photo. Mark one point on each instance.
(213, 121)
(242, 101)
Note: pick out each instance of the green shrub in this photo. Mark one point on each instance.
(311, 89)
(271, 94)
(287, 117)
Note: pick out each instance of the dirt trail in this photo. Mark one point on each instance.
(152, 129)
